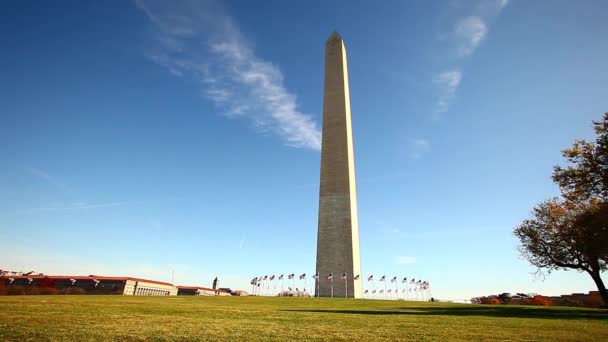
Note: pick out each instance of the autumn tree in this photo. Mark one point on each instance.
(571, 232)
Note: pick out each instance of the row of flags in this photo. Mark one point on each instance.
(393, 291)
(330, 276)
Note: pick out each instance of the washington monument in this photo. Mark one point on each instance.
(338, 237)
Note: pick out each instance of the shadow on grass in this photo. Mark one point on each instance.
(488, 311)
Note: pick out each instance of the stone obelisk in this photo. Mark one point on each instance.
(338, 236)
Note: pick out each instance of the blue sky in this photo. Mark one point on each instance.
(141, 137)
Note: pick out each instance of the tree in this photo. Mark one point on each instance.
(505, 297)
(572, 232)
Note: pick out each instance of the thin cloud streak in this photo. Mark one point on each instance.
(469, 33)
(406, 260)
(46, 177)
(447, 83)
(199, 41)
(76, 206)
(419, 147)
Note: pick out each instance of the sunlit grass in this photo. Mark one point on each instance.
(257, 318)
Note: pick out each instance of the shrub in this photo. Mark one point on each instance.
(594, 301)
(32, 290)
(570, 302)
(540, 300)
(48, 291)
(73, 291)
(16, 290)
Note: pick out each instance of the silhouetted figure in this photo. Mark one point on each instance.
(215, 285)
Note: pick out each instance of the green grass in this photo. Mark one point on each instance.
(77, 318)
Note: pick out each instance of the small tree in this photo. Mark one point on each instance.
(572, 232)
(505, 297)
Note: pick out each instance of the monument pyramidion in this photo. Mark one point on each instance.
(338, 255)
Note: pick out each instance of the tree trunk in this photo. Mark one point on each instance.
(596, 276)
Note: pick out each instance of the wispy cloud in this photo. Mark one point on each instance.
(447, 83)
(405, 260)
(76, 206)
(199, 40)
(469, 33)
(419, 147)
(44, 175)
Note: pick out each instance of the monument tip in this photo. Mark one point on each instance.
(334, 36)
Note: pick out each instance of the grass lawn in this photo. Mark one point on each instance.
(77, 318)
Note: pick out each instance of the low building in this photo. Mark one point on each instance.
(91, 284)
(200, 291)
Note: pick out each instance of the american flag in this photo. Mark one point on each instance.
(383, 278)
(265, 277)
(389, 291)
(330, 276)
(412, 281)
(254, 281)
(404, 280)
(343, 276)
(272, 277)
(316, 276)
(370, 278)
(381, 291)
(373, 291)
(302, 276)
(291, 276)
(356, 277)
(366, 291)
(281, 277)
(394, 279)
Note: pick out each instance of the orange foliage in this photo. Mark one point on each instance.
(537, 300)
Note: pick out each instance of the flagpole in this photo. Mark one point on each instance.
(332, 287)
(397, 282)
(346, 285)
(385, 287)
(373, 289)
